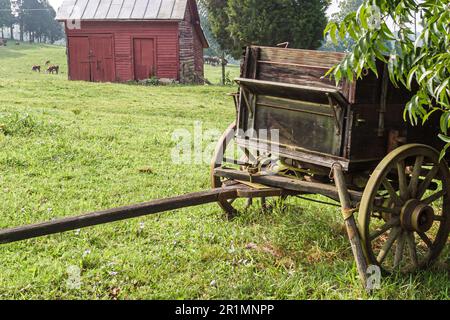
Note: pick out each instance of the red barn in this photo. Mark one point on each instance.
(123, 40)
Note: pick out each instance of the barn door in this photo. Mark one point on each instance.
(79, 65)
(101, 57)
(144, 58)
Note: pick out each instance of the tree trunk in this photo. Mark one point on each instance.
(223, 68)
(21, 31)
(3, 34)
(11, 30)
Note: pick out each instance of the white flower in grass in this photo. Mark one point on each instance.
(77, 232)
(86, 252)
(141, 226)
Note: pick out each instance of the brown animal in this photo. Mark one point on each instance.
(17, 43)
(36, 68)
(47, 62)
(53, 69)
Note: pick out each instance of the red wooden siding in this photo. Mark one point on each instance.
(144, 58)
(163, 34)
(79, 64)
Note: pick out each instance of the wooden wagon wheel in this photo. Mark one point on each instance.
(404, 223)
(232, 206)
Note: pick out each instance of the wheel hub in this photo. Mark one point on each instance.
(417, 216)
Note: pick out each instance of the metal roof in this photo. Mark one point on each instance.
(122, 10)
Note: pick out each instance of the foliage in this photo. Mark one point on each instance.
(422, 60)
(37, 18)
(214, 48)
(345, 8)
(6, 17)
(237, 23)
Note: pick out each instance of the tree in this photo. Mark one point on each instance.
(37, 18)
(214, 48)
(6, 17)
(345, 8)
(237, 23)
(423, 59)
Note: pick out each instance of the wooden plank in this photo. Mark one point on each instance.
(118, 214)
(287, 183)
(292, 91)
(298, 56)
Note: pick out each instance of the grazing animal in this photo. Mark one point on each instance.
(53, 69)
(36, 68)
(17, 43)
(47, 62)
(215, 61)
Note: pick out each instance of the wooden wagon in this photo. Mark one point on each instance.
(297, 133)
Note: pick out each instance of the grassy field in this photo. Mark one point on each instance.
(72, 147)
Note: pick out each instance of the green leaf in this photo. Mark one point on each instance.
(444, 152)
(444, 138)
(411, 77)
(333, 30)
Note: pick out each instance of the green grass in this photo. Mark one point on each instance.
(72, 147)
(214, 74)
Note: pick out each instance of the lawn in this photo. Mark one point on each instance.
(73, 147)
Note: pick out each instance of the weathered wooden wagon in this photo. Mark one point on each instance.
(297, 134)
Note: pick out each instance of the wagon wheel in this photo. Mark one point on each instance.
(404, 223)
(233, 206)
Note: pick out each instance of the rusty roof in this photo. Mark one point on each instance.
(122, 10)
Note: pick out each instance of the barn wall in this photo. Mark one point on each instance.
(164, 33)
(191, 51)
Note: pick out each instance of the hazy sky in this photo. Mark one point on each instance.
(333, 8)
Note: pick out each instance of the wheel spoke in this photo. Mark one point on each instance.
(393, 235)
(398, 202)
(439, 218)
(414, 183)
(435, 197)
(395, 211)
(399, 250)
(386, 227)
(425, 239)
(426, 183)
(403, 184)
(412, 249)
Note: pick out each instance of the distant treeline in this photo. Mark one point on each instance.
(34, 19)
